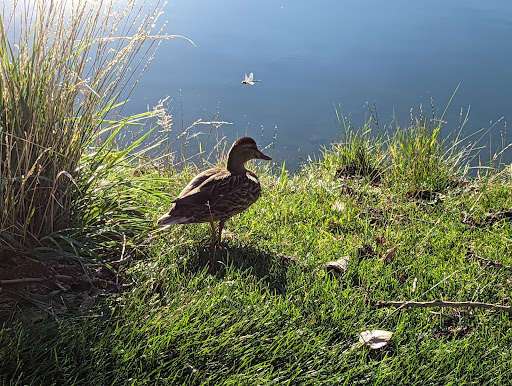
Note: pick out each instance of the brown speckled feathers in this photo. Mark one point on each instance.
(218, 194)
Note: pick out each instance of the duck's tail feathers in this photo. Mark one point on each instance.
(167, 220)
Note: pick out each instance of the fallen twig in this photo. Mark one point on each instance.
(441, 303)
(24, 280)
(63, 277)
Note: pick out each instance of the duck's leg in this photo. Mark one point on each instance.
(213, 239)
(217, 234)
(221, 226)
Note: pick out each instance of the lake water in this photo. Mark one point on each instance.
(313, 55)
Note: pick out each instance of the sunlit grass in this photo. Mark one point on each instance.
(263, 310)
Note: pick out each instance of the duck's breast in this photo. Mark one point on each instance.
(235, 194)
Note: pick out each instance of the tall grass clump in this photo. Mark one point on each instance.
(358, 153)
(63, 67)
(414, 157)
(417, 159)
(421, 159)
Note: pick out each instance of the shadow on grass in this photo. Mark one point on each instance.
(249, 260)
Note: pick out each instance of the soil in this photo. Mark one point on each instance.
(60, 285)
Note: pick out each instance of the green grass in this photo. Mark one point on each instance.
(246, 315)
(262, 310)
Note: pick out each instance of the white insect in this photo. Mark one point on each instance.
(249, 79)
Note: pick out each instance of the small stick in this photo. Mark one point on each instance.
(63, 277)
(24, 280)
(440, 303)
(123, 250)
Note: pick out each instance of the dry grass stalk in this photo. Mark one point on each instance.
(60, 75)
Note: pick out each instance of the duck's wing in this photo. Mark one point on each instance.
(203, 187)
(199, 180)
(218, 188)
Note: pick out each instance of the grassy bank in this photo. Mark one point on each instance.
(92, 293)
(264, 310)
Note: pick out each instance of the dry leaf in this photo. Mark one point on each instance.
(228, 235)
(375, 339)
(339, 266)
(380, 240)
(388, 255)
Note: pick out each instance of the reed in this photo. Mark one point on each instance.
(62, 72)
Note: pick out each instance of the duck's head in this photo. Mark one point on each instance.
(243, 150)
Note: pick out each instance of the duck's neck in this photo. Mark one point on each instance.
(235, 166)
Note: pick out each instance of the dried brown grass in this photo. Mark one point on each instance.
(62, 71)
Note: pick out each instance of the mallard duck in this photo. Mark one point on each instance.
(217, 194)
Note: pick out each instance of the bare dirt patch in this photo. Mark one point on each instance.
(60, 285)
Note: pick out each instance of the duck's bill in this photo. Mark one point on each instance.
(265, 157)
